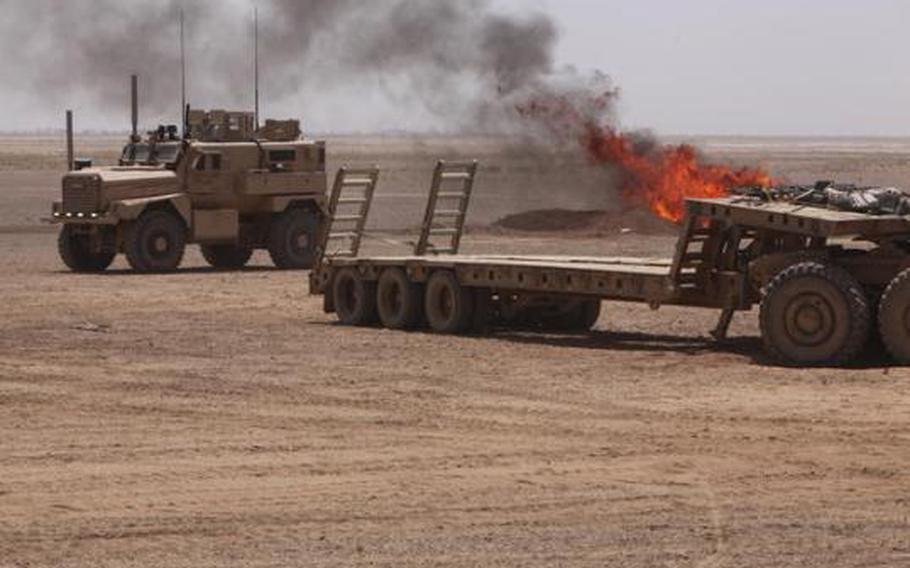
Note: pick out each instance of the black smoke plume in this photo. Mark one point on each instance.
(437, 64)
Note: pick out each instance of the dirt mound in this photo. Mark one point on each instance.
(598, 222)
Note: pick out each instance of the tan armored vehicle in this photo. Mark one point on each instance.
(225, 186)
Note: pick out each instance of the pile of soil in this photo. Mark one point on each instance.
(591, 222)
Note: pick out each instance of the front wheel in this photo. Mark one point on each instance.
(815, 314)
(155, 242)
(226, 257)
(292, 239)
(76, 252)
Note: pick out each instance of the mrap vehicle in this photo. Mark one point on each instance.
(226, 185)
(829, 278)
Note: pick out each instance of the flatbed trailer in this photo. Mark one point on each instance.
(730, 251)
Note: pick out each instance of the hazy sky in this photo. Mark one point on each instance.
(769, 67)
(822, 67)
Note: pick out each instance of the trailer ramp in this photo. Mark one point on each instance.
(349, 207)
(447, 207)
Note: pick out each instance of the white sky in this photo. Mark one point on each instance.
(766, 67)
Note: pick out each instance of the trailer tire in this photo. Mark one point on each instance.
(894, 318)
(292, 239)
(76, 252)
(588, 313)
(354, 298)
(814, 314)
(579, 315)
(398, 300)
(449, 306)
(226, 257)
(156, 241)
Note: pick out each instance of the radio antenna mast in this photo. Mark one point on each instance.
(182, 75)
(256, 63)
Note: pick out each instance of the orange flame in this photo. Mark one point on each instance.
(660, 177)
(664, 177)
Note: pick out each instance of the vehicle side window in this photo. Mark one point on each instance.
(199, 165)
(282, 156)
(215, 162)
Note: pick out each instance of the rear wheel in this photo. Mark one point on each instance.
(155, 242)
(894, 318)
(354, 298)
(292, 239)
(575, 315)
(449, 306)
(226, 257)
(399, 301)
(76, 252)
(814, 314)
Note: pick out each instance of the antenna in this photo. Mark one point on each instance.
(134, 107)
(256, 63)
(182, 74)
(70, 161)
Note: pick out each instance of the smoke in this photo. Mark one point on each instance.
(449, 65)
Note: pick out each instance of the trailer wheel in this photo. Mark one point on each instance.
(814, 314)
(577, 315)
(354, 297)
(155, 242)
(398, 300)
(76, 252)
(449, 306)
(226, 257)
(292, 239)
(894, 318)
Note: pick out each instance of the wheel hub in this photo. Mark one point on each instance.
(160, 244)
(302, 241)
(809, 320)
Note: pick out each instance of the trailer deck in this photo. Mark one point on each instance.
(553, 282)
(614, 278)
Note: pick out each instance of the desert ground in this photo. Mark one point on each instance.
(222, 419)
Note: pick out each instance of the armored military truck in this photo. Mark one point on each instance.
(225, 185)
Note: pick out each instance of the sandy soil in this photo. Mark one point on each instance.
(211, 419)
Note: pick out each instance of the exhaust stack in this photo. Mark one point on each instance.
(134, 97)
(70, 157)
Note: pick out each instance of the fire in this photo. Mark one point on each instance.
(663, 177)
(658, 176)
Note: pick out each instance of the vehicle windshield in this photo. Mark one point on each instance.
(145, 155)
(142, 153)
(167, 154)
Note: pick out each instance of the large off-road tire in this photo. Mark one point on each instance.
(814, 314)
(354, 298)
(448, 305)
(398, 300)
(575, 315)
(226, 257)
(76, 252)
(292, 239)
(894, 318)
(156, 241)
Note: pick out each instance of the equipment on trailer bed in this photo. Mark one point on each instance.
(821, 274)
